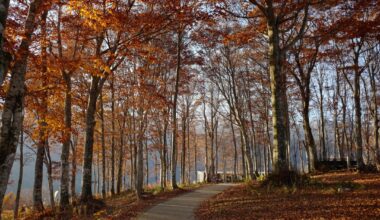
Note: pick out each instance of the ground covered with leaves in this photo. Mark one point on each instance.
(339, 195)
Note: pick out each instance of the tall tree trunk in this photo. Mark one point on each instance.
(131, 152)
(195, 157)
(183, 153)
(135, 153)
(312, 150)
(206, 178)
(235, 148)
(112, 136)
(375, 115)
(42, 124)
(243, 156)
(49, 167)
(216, 159)
(14, 101)
(279, 99)
(323, 129)
(338, 141)
(96, 88)
(140, 164)
(247, 153)
(358, 118)
(104, 193)
(188, 149)
(121, 155)
(73, 167)
(344, 121)
(38, 177)
(146, 162)
(163, 157)
(21, 173)
(65, 154)
(174, 113)
(98, 172)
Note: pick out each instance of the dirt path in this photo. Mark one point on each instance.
(182, 207)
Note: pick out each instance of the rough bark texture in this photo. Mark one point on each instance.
(174, 114)
(38, 177)
(206, 143)
(183, 153)
(42, 124)
(375, 115)
(5, 57)
(14, 103)
(104, 194)
(163, 156)
(140, 162)
(112, 137)
(21, 173)
(73, 167)
(278, 88)
(358, 116)
(235, 148)
(96, 87)
(49, 167)
(121, 155)
(65, 154)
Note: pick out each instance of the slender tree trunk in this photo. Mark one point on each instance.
(188, 149)
(206, 144)
(375, 116)
(49, 167)
(131, 148)
(140, 165)
(358, 119)
(112, 136)
(243, 156)
(338, 141)
(135, 153)
(38, 177)
(323, 129)
(174, 116)
(21, 173)
(146, 162)
(42, 125)
(183, 153)
(235, 148)
(163, 157)
(96, 87)
(270, 149)
(121, 155)
(312, 150)
(73, 168)
(216, 159)
(104, 194)
(14, 101)
(98, 172)
(195, 157)
(65, 154)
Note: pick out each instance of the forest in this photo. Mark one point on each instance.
(126, 95)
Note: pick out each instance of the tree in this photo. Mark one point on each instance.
(305, 59)
(278, 16)
(14, 100)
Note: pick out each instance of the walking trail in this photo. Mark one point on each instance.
(183, 206)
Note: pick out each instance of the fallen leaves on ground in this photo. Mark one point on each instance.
(340, 195)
